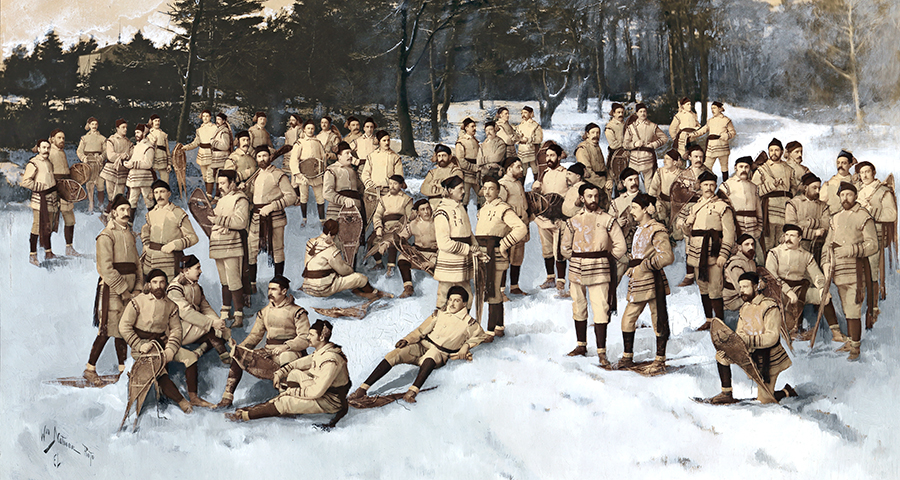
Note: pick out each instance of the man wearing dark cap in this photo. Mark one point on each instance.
(38, 178)
(291, 135)
(167, 233)
(458, 248)
(162, 160)
(651, 252)
(689, 178)
(743, 195)
(57, 157)
(660, 187)
(498, 230)
(685, 119)
(592, 241)
(468, 150)
(492, 152)
(284, 325)
(228, 244)
(758, 326)
(326, 272)
(620, 209)
(421, 227)
(118, 150)
(307, 166)
(259, 136)
(203, 140)
(506, 131)
(829, 192)
(793, 157)
(721, 131)
(448, 334)
(615, 128)
(140, 174)
(151, 318)
(513, 193)
(743, 260)
(881, 202)
(589, 154)
(119, 266)
(272, 193)
(341, 185)
(710, 224)
(445, 167)
(554, 180)
(811, 214)
(529, 136)
(243, 161)
(802, 282)
(393, 211)
(317, 383)
(575, 179)
(852, 238)
(199, 324)
(775, 180)
(642, 138)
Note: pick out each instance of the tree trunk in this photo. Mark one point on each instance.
(181, 131)
(704, 74)
(435, 96)
(584, 90)
(629, 55)
(854, 66)
(407, 141)
(600, 62)
(449, 61)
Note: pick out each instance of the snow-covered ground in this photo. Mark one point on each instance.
(521, 409)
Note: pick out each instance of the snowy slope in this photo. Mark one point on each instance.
(520, 410)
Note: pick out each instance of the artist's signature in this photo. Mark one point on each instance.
(53, 437)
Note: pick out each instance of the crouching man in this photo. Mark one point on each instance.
(758, 328)
(446, 335)
(317, 383)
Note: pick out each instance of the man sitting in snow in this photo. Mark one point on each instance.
(447, 334)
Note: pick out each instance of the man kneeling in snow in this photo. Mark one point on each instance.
(446, 335)
(317, 383)
(758, 326)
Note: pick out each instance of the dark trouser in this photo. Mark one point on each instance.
(100, 342)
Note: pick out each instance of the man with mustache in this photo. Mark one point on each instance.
(259, 136)
(710, 224)
(285, 326)
(589, 154)
(140, 174)
(775, 180)
(592, 241)
(118, 149)
(162, 159)
(365, 144)
(57, 157)
(228, 245)
(341, 185)
(811, 214)
(468, 150)
(620, 209)
(660, 187)
(151, 318)
(167, 233)
(758, 326)
(642, 138)
(199, 324)
(801, 279)
(90, 152)
(879, 199)
(651, 252)
(272, 193)
(529, 136)
(446, 167)
(203, 140)
(242, 161)
(553, 180)
(829, 192)
(498, 229)
(743, 195)
(615, 128)
(38, 178)
(506, 131)
(685, 118)
(393, 211)
(513, 193)
(743, 260)
(329, 137)
(721, 131)
(458, 248)
(689, 178)
(793, 157)
(852, 238)
(492, 152)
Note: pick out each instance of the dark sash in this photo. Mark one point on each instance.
(712, 244)
(439, 347)
(490, 242)
(765, 210)
(611, 270)
(659, 290)
(265, 231)
(317, 273)
(45, 222)
(101, 298)
(864, 287)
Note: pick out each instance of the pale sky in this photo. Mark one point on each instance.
(28, 21)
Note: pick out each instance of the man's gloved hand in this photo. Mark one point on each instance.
(401, 343)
